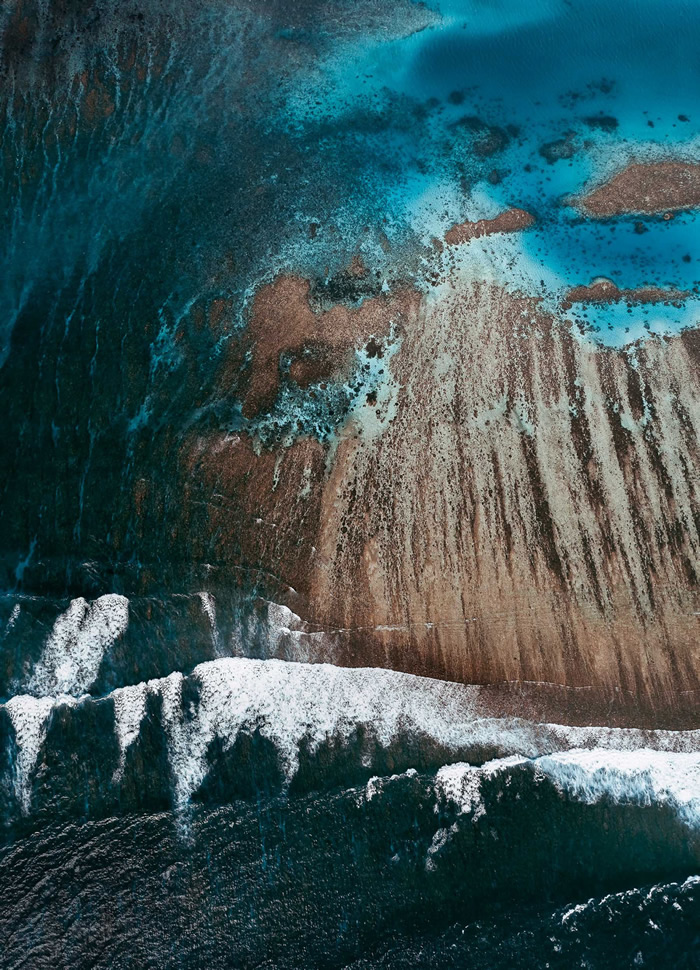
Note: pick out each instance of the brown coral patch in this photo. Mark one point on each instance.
(529, 514)
(512, 220)
(253, 511)
(282, 322)
(653, 188)
(603, 290)
(318, 362)
(219, 311)
(97, 103)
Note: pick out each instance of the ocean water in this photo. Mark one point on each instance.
(177, 787)
(344, 123)
(614, 80)
(281, 814)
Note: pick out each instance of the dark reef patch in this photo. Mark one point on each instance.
(562, 149)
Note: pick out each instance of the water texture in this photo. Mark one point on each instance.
(349, 550)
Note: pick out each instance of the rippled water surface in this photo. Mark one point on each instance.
(178, 788)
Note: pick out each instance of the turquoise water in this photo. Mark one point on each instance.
(540, 74)
(362, 122)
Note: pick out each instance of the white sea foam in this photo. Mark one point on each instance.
(281, 618)
(12, 618)
(129, 710)
(297, 704)
(639, 898)
(378, 783)
(209, 606)
(461, 783)
(291, 702)
(288, 635)
(642, 777)
(29, 717)
(71, 658)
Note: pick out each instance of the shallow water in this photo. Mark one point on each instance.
(550, 72)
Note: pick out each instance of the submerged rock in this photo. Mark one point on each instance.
(650, 187)
(512, 220)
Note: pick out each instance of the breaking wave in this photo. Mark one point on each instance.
(298, 726)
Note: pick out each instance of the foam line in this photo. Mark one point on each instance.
(71, 658)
